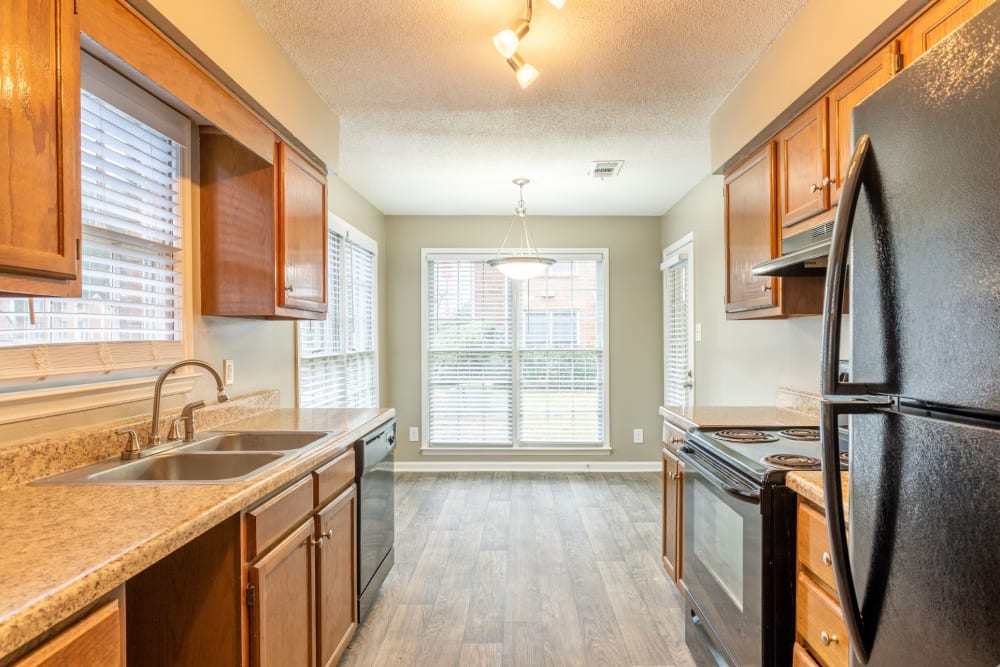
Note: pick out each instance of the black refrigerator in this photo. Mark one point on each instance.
(918, 235)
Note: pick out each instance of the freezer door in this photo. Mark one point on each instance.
(925, 539)
(925, 282)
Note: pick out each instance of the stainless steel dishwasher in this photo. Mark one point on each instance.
(376, 525)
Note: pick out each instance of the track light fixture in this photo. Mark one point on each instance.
(507, 41)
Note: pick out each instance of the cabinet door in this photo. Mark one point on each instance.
(852, 89)
(282, 619)
(930, 27)
(750, 232)
(802, 164)
(336, 577)
(673, 514)
(40, 136)
(301, 233)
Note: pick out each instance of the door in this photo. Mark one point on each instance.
(803, 183)
(336, 577)
(678, 323)
(301, 233)
(40, 136)
(927, 319)
(282, 618)
(924, 536)
(750, 232)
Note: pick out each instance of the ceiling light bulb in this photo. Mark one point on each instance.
(506, 41)
(526, 75)
(558, 4)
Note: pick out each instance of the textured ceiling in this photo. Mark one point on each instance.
(433, 121)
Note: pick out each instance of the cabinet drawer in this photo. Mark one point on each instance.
(275, 517)
(334, 477)
(673, 437)
(814, 545)
(801, 657)
(817, 615)
(95, 641)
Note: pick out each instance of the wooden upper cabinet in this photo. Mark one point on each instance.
(301, 232)
(803, 181)
(750, 232)
(40, 139)
(868, 77)
(263, 232)
(940, 19)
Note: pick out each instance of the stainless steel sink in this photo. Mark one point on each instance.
(185, 467)
(281, 441)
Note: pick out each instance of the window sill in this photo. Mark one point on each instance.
(519, 451)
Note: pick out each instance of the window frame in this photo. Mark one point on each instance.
(74, 388)
(517, 448)
(337, 224)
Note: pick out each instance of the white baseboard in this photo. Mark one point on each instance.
(528, 466)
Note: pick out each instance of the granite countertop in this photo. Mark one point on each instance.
(714, 416)
(66, 546)
(809, 485)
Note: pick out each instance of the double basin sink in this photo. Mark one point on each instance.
(213, 459)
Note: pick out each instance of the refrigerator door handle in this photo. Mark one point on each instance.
(833, 498)
(836, 276)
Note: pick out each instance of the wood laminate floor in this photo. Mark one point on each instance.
(525, 569)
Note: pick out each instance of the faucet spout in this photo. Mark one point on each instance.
(222, 396)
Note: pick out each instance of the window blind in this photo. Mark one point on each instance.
(132, 280)
(514, 363)
(337, 356)
(676, 329)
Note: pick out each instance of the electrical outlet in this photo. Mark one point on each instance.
(414, 434)
(227, 371)
(697, 332)
(637, 436)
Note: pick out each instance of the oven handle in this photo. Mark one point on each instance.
(691, 456)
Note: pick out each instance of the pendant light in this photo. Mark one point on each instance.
(525, 262)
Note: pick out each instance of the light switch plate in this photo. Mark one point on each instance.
(227, 370)
(637, 436)
(414, 434)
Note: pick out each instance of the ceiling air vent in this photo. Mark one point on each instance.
(606, 168)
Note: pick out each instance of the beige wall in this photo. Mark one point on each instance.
(737, 362)
(635, 345)
(821, 36)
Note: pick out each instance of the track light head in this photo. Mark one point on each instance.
(506, 41)
(525, 72)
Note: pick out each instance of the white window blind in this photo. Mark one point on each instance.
(338, 362)
(515, 364)
(130, 314)
(678, 354)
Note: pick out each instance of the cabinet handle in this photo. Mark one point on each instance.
(676, 441)
(675, 475)
(826, 559)
(319, 541)
(828, 639)
(764, 289)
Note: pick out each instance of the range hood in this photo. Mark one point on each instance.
(802, 254)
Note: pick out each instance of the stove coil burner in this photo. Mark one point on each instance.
(804, 434)
(744, 435)
(792, 461)
(845, 458)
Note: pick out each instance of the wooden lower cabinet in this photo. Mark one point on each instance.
(820, 634)
(93, 641)
(283, 616)
(673, 503)
(272, 586)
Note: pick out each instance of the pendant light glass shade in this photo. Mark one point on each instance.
(507, 41)
(525, 72)
(525, 262)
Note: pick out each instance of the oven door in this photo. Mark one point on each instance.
(723, 562)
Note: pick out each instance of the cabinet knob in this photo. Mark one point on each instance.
(764, 289)
(676, 441)
(815, 188)
(828, 181)
(828, 639)
(319, 541)
(826, 559)
(290, 289)
(675, 475)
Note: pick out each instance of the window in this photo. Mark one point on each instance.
(131, 315)
(338, 362)
(678, 323)
(513, 364)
